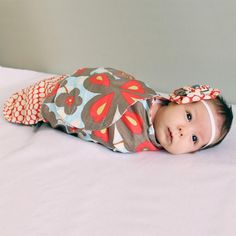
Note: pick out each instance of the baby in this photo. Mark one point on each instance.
(112, 108)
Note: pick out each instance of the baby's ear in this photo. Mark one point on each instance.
(189, 94)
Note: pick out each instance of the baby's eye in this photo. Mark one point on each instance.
(189, 116)
(194, 138)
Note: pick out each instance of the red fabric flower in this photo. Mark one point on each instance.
(193, 93)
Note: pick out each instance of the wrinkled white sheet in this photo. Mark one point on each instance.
(55, 184)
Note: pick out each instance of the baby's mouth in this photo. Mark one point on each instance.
(170, 135)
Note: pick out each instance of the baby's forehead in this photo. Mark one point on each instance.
(218, 118)
(188, 105)
(196, 105)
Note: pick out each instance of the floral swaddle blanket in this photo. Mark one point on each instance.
(102, 105)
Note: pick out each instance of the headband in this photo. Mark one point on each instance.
(189, 94)
(213, 124)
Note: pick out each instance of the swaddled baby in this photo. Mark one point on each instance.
(112, 108)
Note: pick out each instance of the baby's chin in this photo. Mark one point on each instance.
(178, 151)
(175, 151)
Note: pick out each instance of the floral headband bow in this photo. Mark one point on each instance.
(193, 93)
(197, 93)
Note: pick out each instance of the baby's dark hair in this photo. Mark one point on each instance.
(225, 111)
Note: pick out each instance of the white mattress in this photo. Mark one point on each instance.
(55, 184)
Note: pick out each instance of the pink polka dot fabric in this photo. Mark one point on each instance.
(193, 93)
(24, 106)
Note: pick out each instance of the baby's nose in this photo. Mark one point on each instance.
(183, 130)
(180, 131)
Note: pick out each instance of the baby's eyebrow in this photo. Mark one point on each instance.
(193, 111)
(200, 132)
(196, 116)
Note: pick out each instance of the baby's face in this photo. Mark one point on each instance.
(185, 128)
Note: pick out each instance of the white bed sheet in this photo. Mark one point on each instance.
(55, 184)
